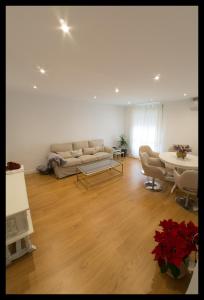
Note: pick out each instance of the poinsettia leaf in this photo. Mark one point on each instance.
(186, 261)
(174, 270)
(163, 268)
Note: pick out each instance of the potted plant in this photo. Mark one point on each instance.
(123, 144)
(181, 150)
(176, 241)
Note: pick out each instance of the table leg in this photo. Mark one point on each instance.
(173, 188)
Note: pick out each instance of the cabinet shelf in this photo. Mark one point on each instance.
(23, 232)
(18, 218)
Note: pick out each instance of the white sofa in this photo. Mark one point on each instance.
(70, 168)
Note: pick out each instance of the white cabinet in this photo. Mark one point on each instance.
(18, 218)
(193, 286)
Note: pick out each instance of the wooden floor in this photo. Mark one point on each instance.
(96, 241)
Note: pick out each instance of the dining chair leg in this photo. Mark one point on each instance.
(195, 206)
(155, 186)
(173, 188)
(186, 201)
(148, 181)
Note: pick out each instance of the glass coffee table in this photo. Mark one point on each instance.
(96, 168)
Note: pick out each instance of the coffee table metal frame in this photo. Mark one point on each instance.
(112, 165)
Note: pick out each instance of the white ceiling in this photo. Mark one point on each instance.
(109, 47)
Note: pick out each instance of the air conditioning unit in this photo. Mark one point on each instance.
(194, 104)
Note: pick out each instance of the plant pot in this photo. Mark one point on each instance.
(181, 154)
(125, 152)
(183, 271)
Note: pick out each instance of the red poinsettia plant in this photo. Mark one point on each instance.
(175, 243)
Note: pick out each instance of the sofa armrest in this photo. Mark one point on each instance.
(53, 164)
(108, 149)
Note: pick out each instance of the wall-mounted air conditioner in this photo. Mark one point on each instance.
(194, 103)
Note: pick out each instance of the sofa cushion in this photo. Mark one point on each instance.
(89, 150)
(76, 153)
(80, 145)
(102, 155)
(95, 143)
(61, 147)
(88, 158)
(65, 154)
(72, 162)
(99, 149)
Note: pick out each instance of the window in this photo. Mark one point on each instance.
(145, 127)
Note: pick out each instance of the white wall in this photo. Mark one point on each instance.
(33, 122)
(180, 125)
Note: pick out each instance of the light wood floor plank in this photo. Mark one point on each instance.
(96, 241)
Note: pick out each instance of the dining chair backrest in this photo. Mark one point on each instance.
(144, 160)
(145, 148)
(187, 181)
(151, 170)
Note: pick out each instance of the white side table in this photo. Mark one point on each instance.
(18, 219)
(118, 153)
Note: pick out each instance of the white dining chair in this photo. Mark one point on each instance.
(154, 171)
(187, 182)
(154, 160)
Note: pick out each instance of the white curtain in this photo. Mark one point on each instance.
(145, 127)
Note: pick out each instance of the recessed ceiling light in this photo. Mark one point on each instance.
(157, 77)
(185, 94)
(64, 27)
(116, 90)
(41, 70)
(35, 86)
(94, 97)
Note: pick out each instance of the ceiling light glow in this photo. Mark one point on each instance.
(129, 102)
(35, 87)
(41, 70)
(117, 90)
(185, 94)
(64, 27)
(157, 77)
(94, 97)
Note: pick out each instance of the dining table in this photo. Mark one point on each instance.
(170, 159)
